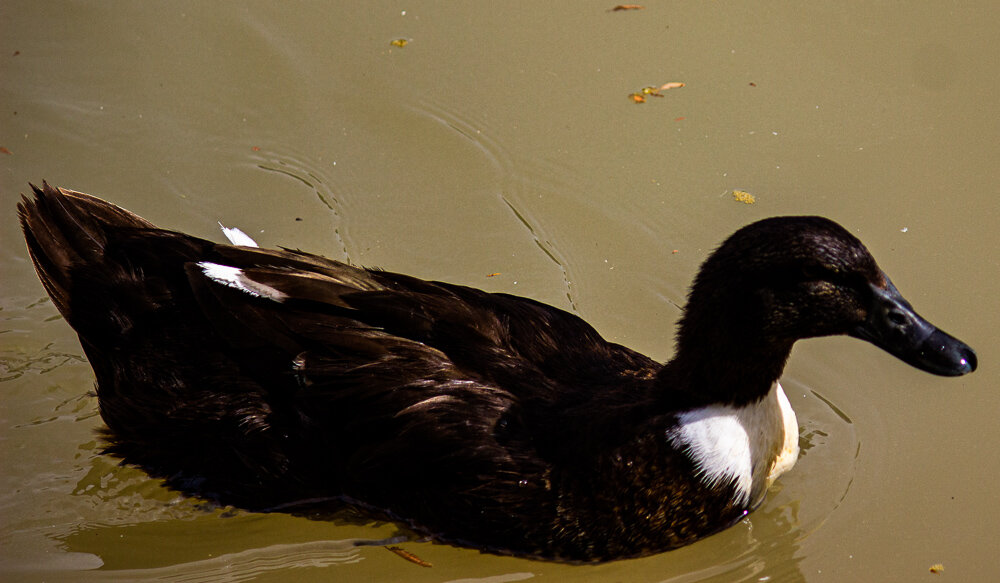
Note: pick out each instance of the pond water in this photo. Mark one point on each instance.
(500, 148)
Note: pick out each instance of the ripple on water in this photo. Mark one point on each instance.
(316, 176)
(827, 464)
(13, 365)
(250, 564)
(519, 187)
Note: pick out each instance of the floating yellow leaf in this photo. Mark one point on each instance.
(937, 568)
(399, 42)
(639, 97)
(744, 197)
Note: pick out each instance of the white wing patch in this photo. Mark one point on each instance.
(235, 278)
(237, 237)
(747, 446)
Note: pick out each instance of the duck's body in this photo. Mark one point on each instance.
(279, 380)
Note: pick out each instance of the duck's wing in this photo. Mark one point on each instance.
(422, 393)
(491, 336)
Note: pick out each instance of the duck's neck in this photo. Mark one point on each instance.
(716, 368)
(733, 419)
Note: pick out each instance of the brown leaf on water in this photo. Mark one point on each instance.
(623, 7)
(409, 556)
(493, 274)
(637, 97)
(937, 568)
(5, 151)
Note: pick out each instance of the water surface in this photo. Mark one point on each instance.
(499, 149)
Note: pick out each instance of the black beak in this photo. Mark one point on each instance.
(895, 327)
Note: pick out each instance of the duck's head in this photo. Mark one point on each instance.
(786, 278)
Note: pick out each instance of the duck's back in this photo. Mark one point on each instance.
(266, 378)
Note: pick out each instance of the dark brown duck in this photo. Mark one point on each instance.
(277, 379)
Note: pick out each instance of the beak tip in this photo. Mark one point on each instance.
(954, 358)
(968, 361)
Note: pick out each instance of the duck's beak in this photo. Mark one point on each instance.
(895, 327)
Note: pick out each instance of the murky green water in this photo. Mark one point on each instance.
(499, 149)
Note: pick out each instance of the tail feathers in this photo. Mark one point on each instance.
(68, 234)
(64, 229)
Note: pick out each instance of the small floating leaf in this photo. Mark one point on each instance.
(744, 197)
(400, 42)
(937, 568)
(409, 556)
(622, 7)
(5, 151)
(639, 97)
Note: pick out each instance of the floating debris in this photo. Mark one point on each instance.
(623, 7)
(5, 151)
(744, 197)
(937, 568)
(400, 42)
(652, 90)
(409, 556)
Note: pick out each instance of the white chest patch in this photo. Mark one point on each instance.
(748, 446)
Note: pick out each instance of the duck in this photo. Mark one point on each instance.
(276, 380)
